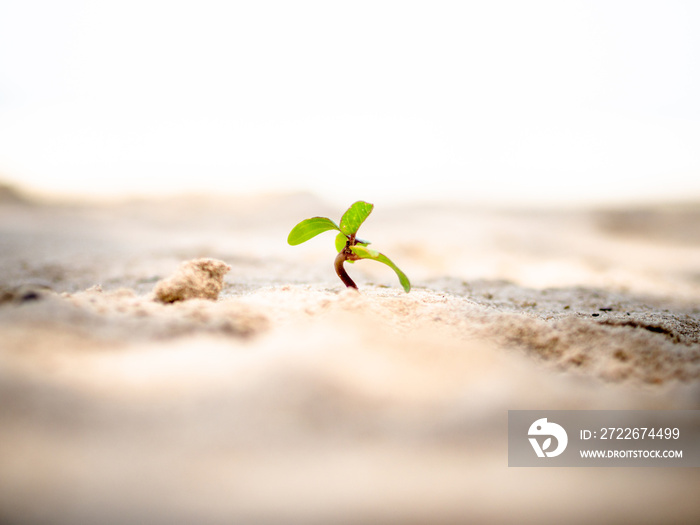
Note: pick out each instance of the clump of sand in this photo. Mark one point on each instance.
(195, 279)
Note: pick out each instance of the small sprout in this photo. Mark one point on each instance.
(348, 246)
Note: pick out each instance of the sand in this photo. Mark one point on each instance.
(291, 399)
(197, 279)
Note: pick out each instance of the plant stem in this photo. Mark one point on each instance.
(340, 270)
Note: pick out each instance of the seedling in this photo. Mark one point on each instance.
(348, 246)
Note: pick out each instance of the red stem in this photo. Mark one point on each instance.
(340, 270)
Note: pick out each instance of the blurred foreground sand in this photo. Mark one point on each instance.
(294, 400)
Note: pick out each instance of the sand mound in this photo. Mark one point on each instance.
(198, 279)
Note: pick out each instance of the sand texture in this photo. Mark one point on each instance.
(198, 279)
(276, 395)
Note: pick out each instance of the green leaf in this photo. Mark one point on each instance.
(340, 241)
(310, 228)
(367, 253)
(354, 217)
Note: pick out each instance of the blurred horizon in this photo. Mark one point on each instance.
(497, 103)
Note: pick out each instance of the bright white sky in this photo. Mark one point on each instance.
(518, 102)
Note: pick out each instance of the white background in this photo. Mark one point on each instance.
(520, 102)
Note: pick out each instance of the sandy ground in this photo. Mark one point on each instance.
(291, 399)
